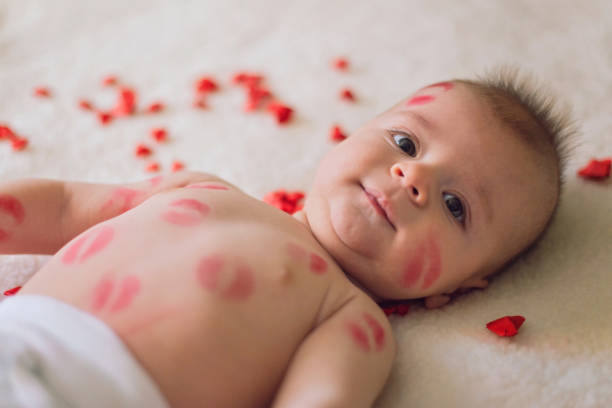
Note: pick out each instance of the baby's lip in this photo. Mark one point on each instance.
(381, 203)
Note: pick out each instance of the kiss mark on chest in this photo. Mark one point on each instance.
(186, 212)
(230, 279)
(88, 244)
(316, 264)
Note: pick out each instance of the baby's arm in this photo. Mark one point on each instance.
(343, 363)
(39, 216)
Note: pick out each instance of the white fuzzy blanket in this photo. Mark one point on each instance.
(562, 356)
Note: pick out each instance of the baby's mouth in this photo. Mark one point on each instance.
(379, 202)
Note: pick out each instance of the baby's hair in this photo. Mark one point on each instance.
(523, 105)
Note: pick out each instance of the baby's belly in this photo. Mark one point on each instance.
(213, 310)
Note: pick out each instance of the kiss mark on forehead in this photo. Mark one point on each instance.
(447, 85)
(189, 212)
(420, 100)
(102, 237)
(13, 207)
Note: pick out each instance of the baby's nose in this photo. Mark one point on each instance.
(415, 180)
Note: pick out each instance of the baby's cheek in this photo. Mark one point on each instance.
(435, 264)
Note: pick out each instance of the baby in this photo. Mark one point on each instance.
(183, 291)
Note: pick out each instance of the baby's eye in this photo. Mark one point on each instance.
(455, 206)
(404, 142)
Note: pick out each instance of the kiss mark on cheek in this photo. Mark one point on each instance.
(13, 207)
(435, 264)
(189, 212)
(209, 186)
(413, 269)
(420, 100)
(359, 336)
(102, 237)
(122, 200)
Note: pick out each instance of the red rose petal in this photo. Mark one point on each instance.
(42, 91)
(596, 169)
(13, 291)
(177, 165)
(247, 79)
(159, 134)
(6, 133)
(126, 105)
(19, 143)
(281, 112)
(347, 94)
(105, 117)
(340, 63)
(85, 105)
(142, 151)
(153, 167)
(110, 80)
(206, 84)
(506, 326)
(336, 134)
(286, 201)
(155, 107)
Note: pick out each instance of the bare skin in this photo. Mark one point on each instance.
(229, 302)
(213, 321)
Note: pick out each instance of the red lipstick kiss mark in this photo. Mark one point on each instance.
(209, 276)
(103, 291)
(420, 100)
(13, 207)
(3, 235)
(242, 285)
(208, 186)
(433, 271)
(103, 236)
(318, 265)
(377, 330)
(208, 271)
(413, 269)
(125, 198)
(195, 212)
(130, 286)
(446, 85)
(359, 335)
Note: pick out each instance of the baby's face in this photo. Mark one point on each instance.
(457, 189)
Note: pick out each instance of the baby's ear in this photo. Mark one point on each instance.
(479, 283)
(436, 301)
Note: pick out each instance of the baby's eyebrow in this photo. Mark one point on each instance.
(420, 118)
